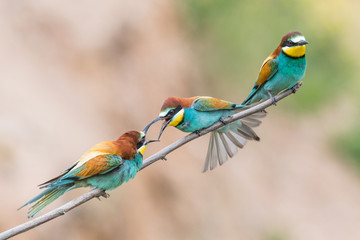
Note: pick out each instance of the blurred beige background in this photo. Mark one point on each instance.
(76, 73)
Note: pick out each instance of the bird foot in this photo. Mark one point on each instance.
(62, 212)
(296, 87)
(222, 120)
(197, 132)
(164, 158)
(103, 194)
(272, 98)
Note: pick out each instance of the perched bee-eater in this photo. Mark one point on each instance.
(196, 113)
(282, 70)
(106, 166)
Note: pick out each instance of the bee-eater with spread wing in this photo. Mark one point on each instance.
(196, 113)
(282, 70)
(106, 166)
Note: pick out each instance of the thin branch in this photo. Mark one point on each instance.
(150, 160)
(52, 214)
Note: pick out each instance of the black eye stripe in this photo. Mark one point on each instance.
(290, 44)
(174, 111)
(178, 108)
(140, 143)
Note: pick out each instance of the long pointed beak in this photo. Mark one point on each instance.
(165, 124)
(144, 146)
(303, 42)
(154, 121)
(151, 141)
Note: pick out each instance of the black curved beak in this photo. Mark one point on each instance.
(148, 126)
(151, 141)
(165, 124)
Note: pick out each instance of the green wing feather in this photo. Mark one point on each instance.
(207, 104)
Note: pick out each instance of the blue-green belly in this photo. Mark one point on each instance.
(117, 176)
(195, 120)
(290, 71)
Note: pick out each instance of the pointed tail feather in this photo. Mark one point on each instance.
(254, 119)
(230, 148)
(213, 164)
(211, 155)
(45, 198)
(236, 139)
(251, 122)
(248, 133)
(247, 123)
(222, 145)
(209, 152)
(221, 150)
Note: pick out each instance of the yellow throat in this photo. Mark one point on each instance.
(297, 51)
(177, 118)
(142, 149)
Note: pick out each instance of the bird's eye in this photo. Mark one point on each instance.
(290, 43)
(140, 143)
(171, 112)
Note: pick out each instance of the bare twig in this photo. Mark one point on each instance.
(52, 214)
(150, 160)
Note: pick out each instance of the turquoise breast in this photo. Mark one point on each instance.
(117, 176)
(196, 120)
(290, 71)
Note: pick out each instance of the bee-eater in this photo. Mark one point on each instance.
(195, 113)
(282, 70)
(106, 166)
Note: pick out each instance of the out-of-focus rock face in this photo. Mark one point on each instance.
(76, 73)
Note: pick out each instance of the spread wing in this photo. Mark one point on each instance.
(206, 104)
(267, 71)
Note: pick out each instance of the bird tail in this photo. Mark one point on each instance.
(46, 197)
(225, 141)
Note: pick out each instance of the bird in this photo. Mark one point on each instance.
(282, 70)
(195, 113)
(105, 166)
